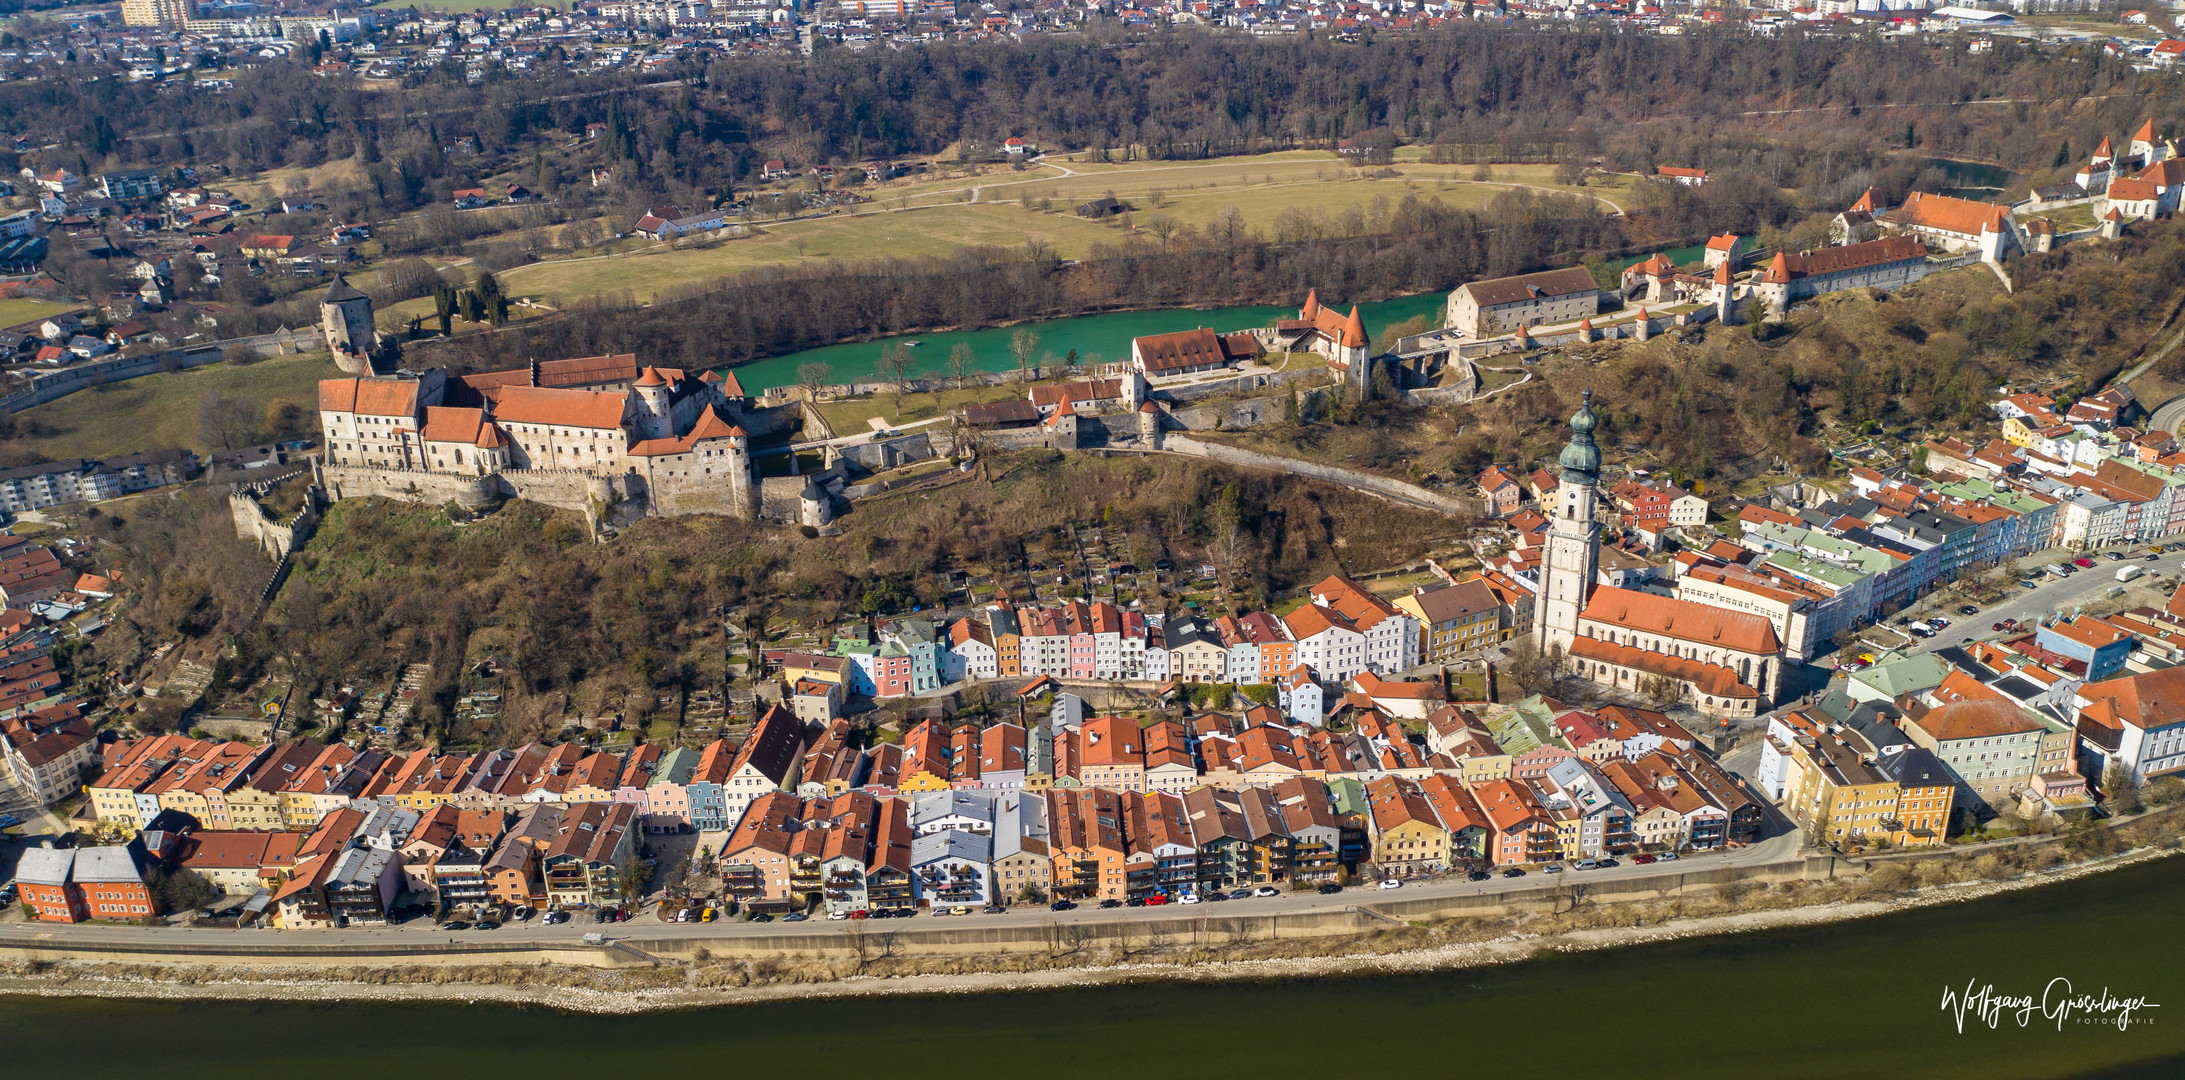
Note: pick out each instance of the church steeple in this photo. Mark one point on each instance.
(1573, 547)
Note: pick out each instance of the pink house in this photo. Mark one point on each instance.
(1501, 492)
(666, 808)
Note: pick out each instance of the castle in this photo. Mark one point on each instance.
(590, 434)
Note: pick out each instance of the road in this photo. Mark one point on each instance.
(1781, 848)
(2053, 595)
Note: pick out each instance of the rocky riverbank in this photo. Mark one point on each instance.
(1425, 947)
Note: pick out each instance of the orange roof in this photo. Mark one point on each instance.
(1708, 678)
(1681, 619)
(1945, 214)
(560, 408)
(1974, 720)
(1867, 202)
(709, 426)
(1722, 243)
(2147, 700)
(371, 397)
(2126, 187)
(2146, 132)
(447, 424)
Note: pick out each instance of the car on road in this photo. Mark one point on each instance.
(706, 915)
(1062, 905)
(1111, 902)
(1515, 871)
(1188, 898)
(455, 926)
(555, 918)
(1478, 875)
(1135, 901)
(1329, 889)
(1609, 864)
(838, 916)
(762, 918)
(2158, 549)
(794, 916)
(1967, 609)
(1391, 883)
(1552, 868)
(1641, 860)
(2082, 562)
(2028, 583)
(487, 925)
(993, 909)
(1666, 856)
(1583, 864)
(1216, 896)
(1240, 894)
(1157, 900)
(1266, 890)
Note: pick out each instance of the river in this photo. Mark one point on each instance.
(1097, 338)
(1852, 999)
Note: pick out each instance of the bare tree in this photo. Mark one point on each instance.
(895, 364)
(1023, 343)
(229, 423)
(813, 374)
(959, 363)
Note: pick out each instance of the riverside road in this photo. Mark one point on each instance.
(1781, 849)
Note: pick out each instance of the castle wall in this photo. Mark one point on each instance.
(410, 485)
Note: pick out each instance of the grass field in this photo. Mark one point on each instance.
(266, 188)
(937, 222)
(159, 412)
(23, 310)
(849, 416)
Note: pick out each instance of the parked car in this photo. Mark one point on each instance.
(762, 918)
(1582, 864)
(993, 909)
(1111, 902)
(1609, 864)
(707, 914)
(1666, 856)
(487, 925)
(2082, 562)
(838, 916)
(555, 918)
(1135, 901)
(1392, 883)
(1239, 894)
(1515, 871)
(1157, 900)
(455, 926)
(1062, 905)
(1641, 860)
(2114, 556)
(794, 916)
(1266, 890)
(1552, 868)
(1188, 898)
(1216, 896)
(1967, 609)
(1329, 889)
(1478, 875)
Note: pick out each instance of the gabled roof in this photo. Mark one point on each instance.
(709, 426)
(369, 397)
(1951, 215)
(1681, 619)
(560, 408)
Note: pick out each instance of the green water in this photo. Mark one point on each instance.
(1856, 999)
(1097, 339)
(1679, 256)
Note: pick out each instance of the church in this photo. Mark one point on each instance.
(1723, 662)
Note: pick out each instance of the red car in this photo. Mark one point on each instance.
(1641, 860)
(1156, 900)
(861, 913)
(2083, 563)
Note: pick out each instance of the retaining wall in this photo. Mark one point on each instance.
(1377, 485)
(352, 482)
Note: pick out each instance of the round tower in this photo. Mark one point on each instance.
(1149, 426)
(345, 317)
(815, 507)
(653, 416)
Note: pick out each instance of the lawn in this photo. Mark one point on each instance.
(850, 237)
(23, 309)
(159, 412)
(848, 416)
(937, 222)
(265, 189)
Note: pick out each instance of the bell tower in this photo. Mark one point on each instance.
(1573, 545)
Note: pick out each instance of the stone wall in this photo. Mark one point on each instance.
(564, 489)
(410, 485)
(49, 386)
(1229, 415)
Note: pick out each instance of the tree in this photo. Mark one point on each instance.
(1023, 343)
(813, 374)
(229, 423)
(895, 363)
(1570, 172)
(959, 363)
(631, 876)
(2121, 789)
(185, 890)
(1535, 670)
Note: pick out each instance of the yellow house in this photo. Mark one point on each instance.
(826, 669)
(2019, 433)
(1832, 791)
(1408, 836)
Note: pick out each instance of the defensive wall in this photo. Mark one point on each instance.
(49, 386)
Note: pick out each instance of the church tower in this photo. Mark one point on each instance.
(1573, 547)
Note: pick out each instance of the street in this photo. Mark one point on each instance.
(2054, 594)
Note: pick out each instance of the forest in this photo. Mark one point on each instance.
(1809, 113)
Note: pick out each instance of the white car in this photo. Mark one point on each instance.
(1266, 890)
(1188, 898)
(1666, 856)
(837, 916)
(1391, 883)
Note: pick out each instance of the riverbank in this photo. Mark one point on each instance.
(1417, 948)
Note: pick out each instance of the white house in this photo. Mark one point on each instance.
(1301, 696)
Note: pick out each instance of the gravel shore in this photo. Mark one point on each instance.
(303, 984)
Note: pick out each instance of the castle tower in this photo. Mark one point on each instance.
(815, 508)
(1774, 286)
(1643, 326)
(1724, 288)
(1311, 310)
(2144, 145)
(1062, 427)
(345, 317)
(654, 416)
(1573, 547)
(1149, 426)
(1354, 349)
